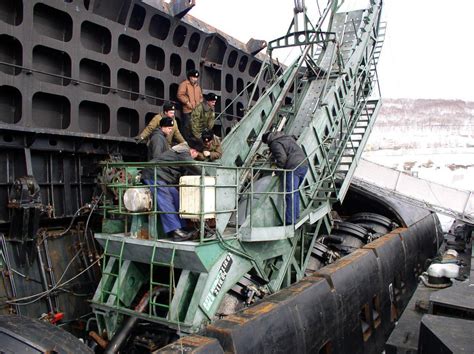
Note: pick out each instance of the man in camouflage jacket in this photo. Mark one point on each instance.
(203, 116)
(168, 111)
(212, 147)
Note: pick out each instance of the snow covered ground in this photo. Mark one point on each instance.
(429, 139)
(444, 166)
(450, 167)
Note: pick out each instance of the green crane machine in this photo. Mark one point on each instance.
(327, 99)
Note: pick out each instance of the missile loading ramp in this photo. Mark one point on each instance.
(324, 98)
(153, 290)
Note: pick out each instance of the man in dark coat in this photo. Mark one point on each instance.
(167, 197)
(290, 156)
(158, 143)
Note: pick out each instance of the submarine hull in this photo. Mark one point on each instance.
(80, 79)
(351, 305)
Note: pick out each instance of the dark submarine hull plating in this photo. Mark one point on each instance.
(80, 79)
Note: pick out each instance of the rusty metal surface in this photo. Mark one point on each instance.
(194, 344)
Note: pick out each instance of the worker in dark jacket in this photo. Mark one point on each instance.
(158, 143)
(212, 147)
(167, 198)
(288, 155)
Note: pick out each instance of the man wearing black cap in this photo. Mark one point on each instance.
(203, 115)
(212, 147)
(158, 143)
(290, 156)
(167, 196)
(175, 136)
(190, 95)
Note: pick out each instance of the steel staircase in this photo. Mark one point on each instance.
(333, 117)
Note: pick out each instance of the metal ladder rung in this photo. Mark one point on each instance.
(109, 292)
(115, 277)
(160, 284)
(119, 256)
(110, 274)
(159, 304)
(153, 283)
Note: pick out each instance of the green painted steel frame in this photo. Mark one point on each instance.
(331, 113)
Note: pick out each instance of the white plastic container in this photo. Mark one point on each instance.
(190, 197)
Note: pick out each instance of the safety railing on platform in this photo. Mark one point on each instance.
(241, 190)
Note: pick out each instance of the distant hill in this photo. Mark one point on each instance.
(423, 123)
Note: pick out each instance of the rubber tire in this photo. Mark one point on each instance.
(30, 335)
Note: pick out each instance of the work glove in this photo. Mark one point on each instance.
(206, 153)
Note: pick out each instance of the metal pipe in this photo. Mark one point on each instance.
(44, 279)
(98, 339)
(11, 280)
(120, 337)
(49, 263)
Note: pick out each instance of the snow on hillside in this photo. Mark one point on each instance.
(418, 124)
(432, 139)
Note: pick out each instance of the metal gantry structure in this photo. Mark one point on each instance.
(327, 99)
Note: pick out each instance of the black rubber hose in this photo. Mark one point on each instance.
(334, 239)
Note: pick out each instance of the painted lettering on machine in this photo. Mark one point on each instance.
(218, 282)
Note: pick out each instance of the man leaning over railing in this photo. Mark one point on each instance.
(288, 155)
(167, 178)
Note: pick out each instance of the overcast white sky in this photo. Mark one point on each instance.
(428, 50)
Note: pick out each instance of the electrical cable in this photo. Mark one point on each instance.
(76, 319)
(72, 220)
(242, 253)
(73, 293)
(17, 272)
(92, 210)
(58, 285)
(76, 214)
(228, 247)
(46, 292)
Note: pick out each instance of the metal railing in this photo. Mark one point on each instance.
(242, 191)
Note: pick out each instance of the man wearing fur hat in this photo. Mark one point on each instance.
(190, 95)
(167, 180)
(174, 137)
(203, 116)
(212, 147)
(158, 143)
